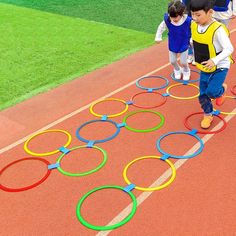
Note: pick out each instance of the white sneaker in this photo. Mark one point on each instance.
(177, 74)
(190, 58)
(194, 63)
(186, 75)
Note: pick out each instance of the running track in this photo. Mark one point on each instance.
(200, 201)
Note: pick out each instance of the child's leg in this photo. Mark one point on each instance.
(205, 101)
(211, 86)
(184, 62)
(191, 55)
(173, 61)
(215, 87)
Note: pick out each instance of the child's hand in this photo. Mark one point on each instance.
(208, 64)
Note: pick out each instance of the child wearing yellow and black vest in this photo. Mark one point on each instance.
(212, 50)
(179, 34)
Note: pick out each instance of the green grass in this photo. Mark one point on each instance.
(40, 50)
(139, 15)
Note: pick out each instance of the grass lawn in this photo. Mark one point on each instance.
(133, 14)
(46, 43)
(40, 50)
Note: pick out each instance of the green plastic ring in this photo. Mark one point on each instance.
(87, 172)
(108, 227)
(144, 130)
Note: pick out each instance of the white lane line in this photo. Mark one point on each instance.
(4, 149)
(165, 176)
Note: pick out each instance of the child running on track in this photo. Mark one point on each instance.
(212, 50)
(179, 34)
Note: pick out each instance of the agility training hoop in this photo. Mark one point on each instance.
(152, 88)
(155, 188)
(187, 125)
(233, 90)
(163, 101)
(192, 133)
(144, 130)
(108, 99)
(182, 98)
(7, 189)
(44, 132)
(87, 172)
(97, 140)
(109, 227)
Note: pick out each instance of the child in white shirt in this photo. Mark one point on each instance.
(212, 50)
(179, 34)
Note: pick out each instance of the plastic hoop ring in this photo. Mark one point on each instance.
(87, 172)
(182, 98)
(228, 113)
(144, 130)
(164, 99)
(181, 81)
(109, 227)
(233, 90)
(154, 88)
(46, 153)
(4, 188)
(109, 99)
(186, 124)
(155, 188)
(180, 157)
(98, 140)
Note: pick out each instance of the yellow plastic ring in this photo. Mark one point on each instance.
(109, 99)
(228, 113)
(182, 98)
(46, 153)
(155, 188)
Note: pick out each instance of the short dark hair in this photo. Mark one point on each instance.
(205, 5)
(176, 8)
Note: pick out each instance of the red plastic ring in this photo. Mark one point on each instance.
(233, 90)
(186, 124)
(164, 99)
(4, 188)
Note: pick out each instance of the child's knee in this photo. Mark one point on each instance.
(185, 66)
(173, 61)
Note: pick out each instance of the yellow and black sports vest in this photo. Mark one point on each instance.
(203, 44)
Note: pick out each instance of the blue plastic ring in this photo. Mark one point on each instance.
(180, 157)
(154, 88)
(190, 81)
(98, 140)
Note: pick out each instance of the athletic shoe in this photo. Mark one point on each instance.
(186, 75)
(220, 100)
(206, 121)
(177, 74)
